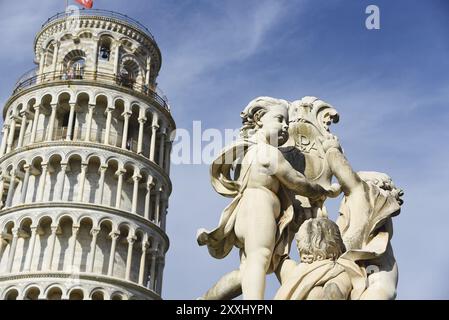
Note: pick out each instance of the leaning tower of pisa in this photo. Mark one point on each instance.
(84, 163)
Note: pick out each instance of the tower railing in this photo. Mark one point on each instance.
(100, 13)
(74, 77)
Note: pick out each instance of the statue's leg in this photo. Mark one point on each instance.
(227, 288)
(259, 245)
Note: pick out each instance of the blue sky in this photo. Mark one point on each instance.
(391, 87)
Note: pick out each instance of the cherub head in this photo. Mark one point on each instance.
(319, 239)
(384, 182)
(267, 116)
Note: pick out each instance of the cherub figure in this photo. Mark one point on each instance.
(257, 220)
(370, 201)
(324, 272)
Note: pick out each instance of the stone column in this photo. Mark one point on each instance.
(153, 255)
(131, 240)
(118, 197)
(163, 135)
(93, 246)
(30, 253)
(168, 146)
(157, 207)
(5, 134)
(23, 195)
(42, 181)
(12, 252)
(103, 169)
(82, 181)
(37, 109)
(140, 138)
(108, 125)
(23, 126)
(154, 128)
(12, 131)
(55, 58)
(75, 230)
(61, 181)
(3, 243)
(51, 125)
(51, 247)
(89, 122)
(163, 210)
(136, 179)
(149, 187)
(126, 116)
(96, 48)
(117, 58)
(143, 259)
(114, 236)
(160, 273)
(12, 183)
(2, 190)
(42, 61)
(69, 136)
(148, 73)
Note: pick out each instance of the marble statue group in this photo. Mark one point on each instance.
(279, 174)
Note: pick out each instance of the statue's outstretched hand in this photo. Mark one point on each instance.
(322, 193)
(330, 141)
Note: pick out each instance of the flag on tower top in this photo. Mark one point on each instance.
(86, 3)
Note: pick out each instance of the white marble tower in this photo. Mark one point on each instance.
(84, 163)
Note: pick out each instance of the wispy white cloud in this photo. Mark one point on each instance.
(206, 43)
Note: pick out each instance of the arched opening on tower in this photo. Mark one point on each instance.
(19, 183)
(32, 293)
(103, 248)
(93, 177)
(62, 117)
(98, 295)
(83, 253)
(73, 177)
(118, 122)
(44, 119)
(74, 64)
(42, 254)
(29, 122)
(6, 246)
(76, 294)
(137, 256)
(121, 252)
(23, 245)
(52, 188)
(117, 296)
(49, 54)
(35, 180)
(133, 129)
(54, 294)
(12, 294)
(111, 179)
(98, 130)
(128, 186)
(129, 71)
(62, 254)
(105, 44)
(81, 114)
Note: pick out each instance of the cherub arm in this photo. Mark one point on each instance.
(349, 180)
(296, 181)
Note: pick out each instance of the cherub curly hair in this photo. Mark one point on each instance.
(320, 238)
(254, 111)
